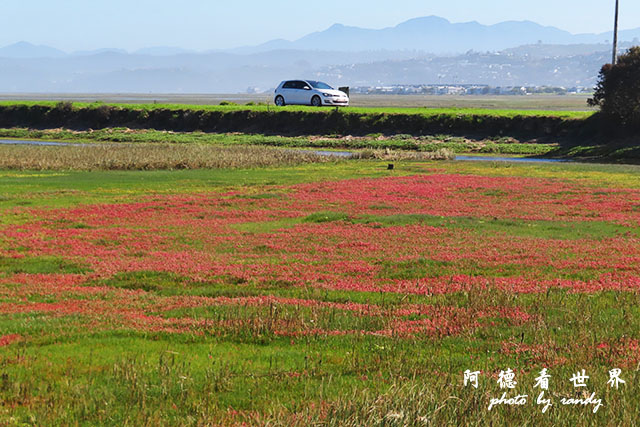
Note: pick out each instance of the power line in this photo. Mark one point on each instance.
(615, 35)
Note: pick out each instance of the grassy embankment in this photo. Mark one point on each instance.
(517, 132)
(424, 111)
(526, 132)
(318, 294)
(513, 102)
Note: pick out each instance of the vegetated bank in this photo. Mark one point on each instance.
(302, 120)
(376, 141)
(524, 132)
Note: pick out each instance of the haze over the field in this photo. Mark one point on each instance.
(201, 46)
(203, 24)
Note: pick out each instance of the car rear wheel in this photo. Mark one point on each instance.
(316, 101)
(280, 101)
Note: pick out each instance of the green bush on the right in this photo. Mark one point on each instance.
(618, 90)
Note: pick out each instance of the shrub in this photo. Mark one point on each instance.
(618, 90)
(60, 114)
(64, 106)
(103, 114)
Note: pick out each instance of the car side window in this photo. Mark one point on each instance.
(289, 85)
(300, 84)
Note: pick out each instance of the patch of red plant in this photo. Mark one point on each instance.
(9, 339)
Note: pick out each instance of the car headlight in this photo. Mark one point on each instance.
(326, 94)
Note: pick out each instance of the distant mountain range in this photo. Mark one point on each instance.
(420, 51)
(429, 34)
(114, 72)
(27, 50)
(437, 35)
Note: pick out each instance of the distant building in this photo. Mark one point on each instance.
(465, 89)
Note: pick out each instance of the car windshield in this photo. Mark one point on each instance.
(319, 85)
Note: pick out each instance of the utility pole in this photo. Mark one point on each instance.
(615, 36)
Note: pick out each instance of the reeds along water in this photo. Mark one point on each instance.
(148, 157)
(179, 156)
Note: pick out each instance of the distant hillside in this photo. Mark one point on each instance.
(427, 50)
(531, 65)
(429, 34)
(112, 71)
(437, 35)
(162, 51)
(517, 67)
(28, 50)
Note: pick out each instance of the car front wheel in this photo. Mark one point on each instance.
(316, 101)
(280, 101)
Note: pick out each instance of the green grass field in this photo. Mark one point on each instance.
(425, 111)
(336, 293)
(516, 102)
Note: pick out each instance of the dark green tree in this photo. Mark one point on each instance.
(618, 90)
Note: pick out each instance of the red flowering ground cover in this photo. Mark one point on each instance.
(397, 235)
(423, 258)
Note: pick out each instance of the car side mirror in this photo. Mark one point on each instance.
(306, 88)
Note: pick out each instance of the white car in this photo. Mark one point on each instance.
(309, 92)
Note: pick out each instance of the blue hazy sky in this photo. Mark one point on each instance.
(212, 24)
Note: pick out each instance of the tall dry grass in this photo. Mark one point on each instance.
(148, 157)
